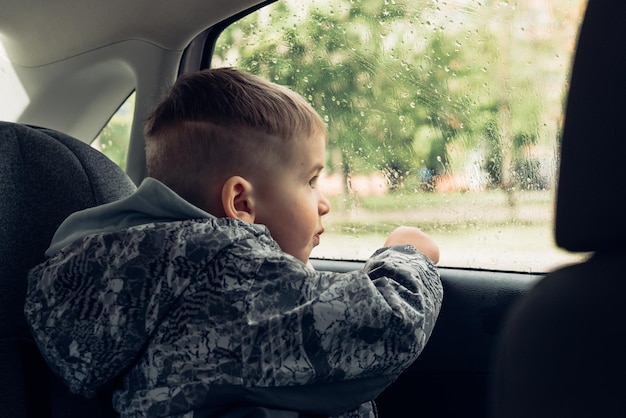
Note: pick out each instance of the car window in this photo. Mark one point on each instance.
(443, 115)
(114, 138)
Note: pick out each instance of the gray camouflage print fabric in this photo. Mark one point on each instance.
(184, 311)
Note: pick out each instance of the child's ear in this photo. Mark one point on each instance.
(237, 199)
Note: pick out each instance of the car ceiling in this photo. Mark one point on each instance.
(36, 33)
(77, 61)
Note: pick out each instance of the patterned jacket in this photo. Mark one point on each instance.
(208, 315)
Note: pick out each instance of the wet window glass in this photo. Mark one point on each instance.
(442, 115)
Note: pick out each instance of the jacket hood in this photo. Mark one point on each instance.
(151, 202)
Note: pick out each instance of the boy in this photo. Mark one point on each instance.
(196, 294)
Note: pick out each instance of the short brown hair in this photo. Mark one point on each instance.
(221, 122)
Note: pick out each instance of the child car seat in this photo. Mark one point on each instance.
(44, 176)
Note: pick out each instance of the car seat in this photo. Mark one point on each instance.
(562, 351)
(44, 176)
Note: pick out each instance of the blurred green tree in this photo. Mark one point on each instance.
(407, 89)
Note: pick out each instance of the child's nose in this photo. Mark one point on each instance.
(324, 205)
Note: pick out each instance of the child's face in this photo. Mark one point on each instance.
(291, 205)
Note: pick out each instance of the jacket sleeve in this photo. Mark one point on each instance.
(306, 328)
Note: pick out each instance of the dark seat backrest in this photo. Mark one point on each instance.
(563, 347)
(44, 176)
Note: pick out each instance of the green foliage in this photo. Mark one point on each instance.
(400, 85)
(113, 142)
(114, 138)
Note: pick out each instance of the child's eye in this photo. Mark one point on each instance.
(313, 181)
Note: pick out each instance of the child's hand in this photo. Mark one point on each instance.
(408, 235)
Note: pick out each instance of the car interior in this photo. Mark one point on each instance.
(506, 344)
(561, 349)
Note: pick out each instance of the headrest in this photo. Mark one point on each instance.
(44, 177)
(591, 205)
